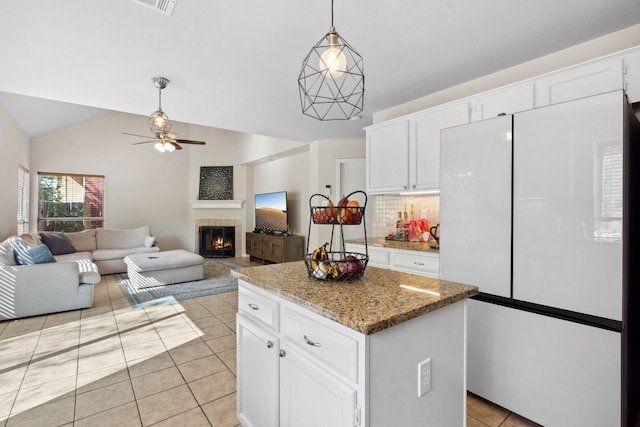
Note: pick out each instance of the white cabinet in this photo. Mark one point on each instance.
(424, 146)
(404, 154)
(578, 82)
(631, 75)
(258, 375)
(408, 261)
(295, 368)
(510, 100)
(416, 262)
(387, 153)
(378, 256)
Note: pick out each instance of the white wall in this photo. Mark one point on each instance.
(14, 149)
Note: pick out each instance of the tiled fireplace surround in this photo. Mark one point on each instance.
(221, 222)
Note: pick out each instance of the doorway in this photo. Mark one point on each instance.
(350, 177)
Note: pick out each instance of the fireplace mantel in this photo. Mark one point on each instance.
(217, 204)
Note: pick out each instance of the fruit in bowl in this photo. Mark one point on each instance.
(350, 266)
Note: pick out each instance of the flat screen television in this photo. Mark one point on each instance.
(271, 213)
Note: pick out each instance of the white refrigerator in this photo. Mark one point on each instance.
(536, 209)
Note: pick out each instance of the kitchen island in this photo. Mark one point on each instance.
(386, 349)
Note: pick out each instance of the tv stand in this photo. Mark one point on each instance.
(274, 249)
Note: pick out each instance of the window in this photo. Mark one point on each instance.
(23, 200)
(69, 202)
(609, 204)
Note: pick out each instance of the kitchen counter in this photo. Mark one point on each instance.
(377, 301)
(397, 244)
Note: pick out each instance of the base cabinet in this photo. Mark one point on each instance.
(258, 375)
(407, 261)
(275, 248)
(299, 369)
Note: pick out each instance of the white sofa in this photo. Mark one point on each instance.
(67, 283)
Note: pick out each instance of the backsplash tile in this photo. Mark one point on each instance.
(386, 207)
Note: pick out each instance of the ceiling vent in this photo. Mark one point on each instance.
(164, 6)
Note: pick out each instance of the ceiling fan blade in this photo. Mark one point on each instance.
(178, 147)
(143, 142)
(188, 141)
(135, 134)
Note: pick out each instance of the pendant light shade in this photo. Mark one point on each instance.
(158, 121)
(331, 81)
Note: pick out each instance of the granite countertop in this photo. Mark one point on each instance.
(429, 246)
(380, 299)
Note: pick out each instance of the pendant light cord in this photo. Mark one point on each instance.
(332, 13)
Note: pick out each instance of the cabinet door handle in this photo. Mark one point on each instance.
(283, 353)
(313, 343)
(269, 344)
(254, 306)
(271, 247)
(418, 263)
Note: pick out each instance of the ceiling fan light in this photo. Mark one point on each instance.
(169, 147)
(159, 146)
(159, 122)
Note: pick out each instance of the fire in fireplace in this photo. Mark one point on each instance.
(217, 241)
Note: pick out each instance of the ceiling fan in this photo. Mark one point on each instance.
(160, 125)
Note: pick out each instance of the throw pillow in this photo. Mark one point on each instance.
(83, 241)
(149, 241)
(6, 254)
(28, 255)
(58, 243)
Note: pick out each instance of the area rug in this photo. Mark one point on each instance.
(217, 279)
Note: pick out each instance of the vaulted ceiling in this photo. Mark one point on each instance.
(235, 64)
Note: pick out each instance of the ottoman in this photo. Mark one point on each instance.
(164, 268)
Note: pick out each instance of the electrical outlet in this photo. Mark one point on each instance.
(424, 377)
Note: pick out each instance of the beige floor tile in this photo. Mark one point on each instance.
(11, 379)
(232, 326)
(221, 344)
(228, 357)
(99, 378)
(142, 333)
(101, 354)
(222, 412)
(167, 404)
(156, 382)
(24, 326)
(186, 338)
(484, 411)
(193, 418)
(30, 398)
(213, 386)
(51, 368)
(205, 322)
(219, 330)
(152, 364)
(103, 399)
(196, 311)
(472, 422)
(227, 317)
(190, 351)
(17, 351)
(514, 420)
(53, 413)
(202, 367)
(6, 403)
(145, 350)
(122, 416)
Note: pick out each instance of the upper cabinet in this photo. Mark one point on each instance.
(631, 63)
(510, 100)
(404, 155)
(424, 144)
(580, 81)
(387, 154)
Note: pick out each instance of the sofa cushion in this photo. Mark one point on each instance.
(108, 254)
(83, 240)
(29, 255)
(121, 239)
(6, 254)
(30, 239)
(76, 256)
(58, 243)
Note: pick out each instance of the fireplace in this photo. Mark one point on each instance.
(217, 241)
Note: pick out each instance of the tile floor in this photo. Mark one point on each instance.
(110, 365)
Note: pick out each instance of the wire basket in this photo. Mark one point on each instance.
(335, 266)
(346, 215)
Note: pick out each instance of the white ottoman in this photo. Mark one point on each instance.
(164, 268)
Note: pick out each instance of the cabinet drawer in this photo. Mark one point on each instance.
(332, 348)
(258, 307)
(424, 264)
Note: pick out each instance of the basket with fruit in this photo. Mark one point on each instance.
(348, 211)
(326, 265)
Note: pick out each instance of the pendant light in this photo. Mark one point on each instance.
(158, 121)
(331, 81)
